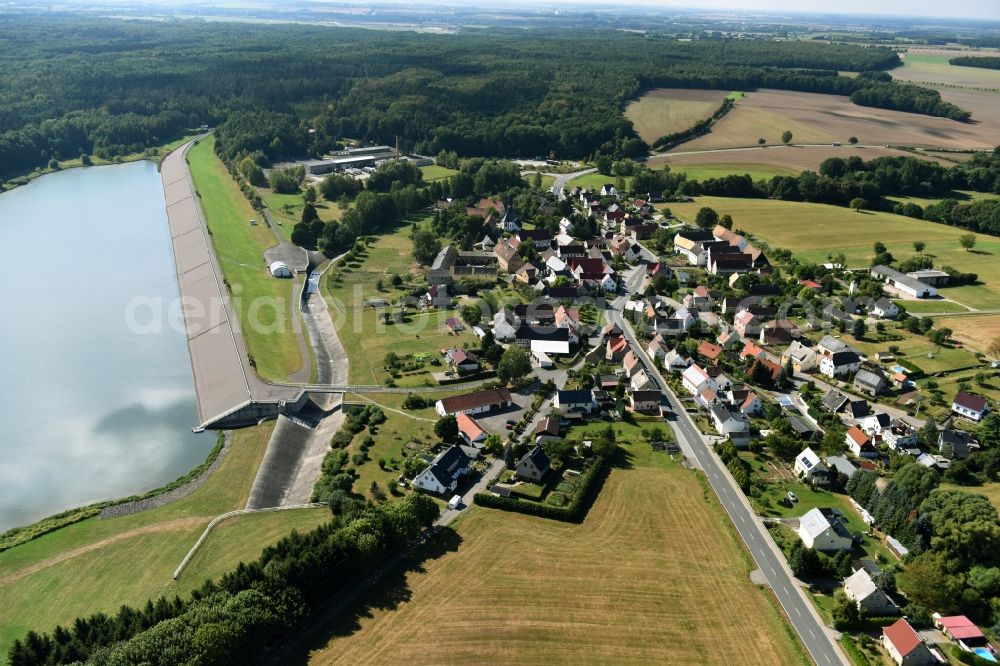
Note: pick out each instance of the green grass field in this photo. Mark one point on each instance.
(98, 565)
(931, 307)
(437, 172)
(287, 209)
(934, 68)
(654, 574)
(262, 301)
(816, 231)
(594, 181)
(366, 339)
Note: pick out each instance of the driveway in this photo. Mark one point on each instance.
(448, 516)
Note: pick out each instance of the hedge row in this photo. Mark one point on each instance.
(702, 126)
(590, 481)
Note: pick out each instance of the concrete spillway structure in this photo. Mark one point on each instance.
(228, 390)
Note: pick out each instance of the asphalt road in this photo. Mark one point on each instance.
(765, 552)
(560, 182)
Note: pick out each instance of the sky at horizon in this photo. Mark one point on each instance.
(981, 9)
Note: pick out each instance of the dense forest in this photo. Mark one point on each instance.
(72, 85)
(986, 62)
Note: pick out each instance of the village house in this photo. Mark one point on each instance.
(964, 631)
(543, 338)
(644, 401)
(674, 361)
(859, 443)
(695, 379)
(905, 646)
(615, 349)
(747, 324)
(824, 530)
(505, 324)
(839, 364)
(657, 347)
(546, 429)
(729, 422)
(870, 382)
(883, 308)
(779, 332)
(752, 351)
(507, 257)
(470, 430)
(700, 298)
(956, 444)
(462, 361)
(899, 435)
(869, 598)
(540, 238)
(874, 424)
(803, 358)
(829, 345)
(641, 381)
(688, 244)
(443, 474)
(533, 466)
(580, 401)
(969, 405)
(709, 351)
(810, 468)
(479, 402)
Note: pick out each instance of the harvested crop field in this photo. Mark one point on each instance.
(973, 331)
(652, 575)
(817, 118)
(774, 160)
(667, 110)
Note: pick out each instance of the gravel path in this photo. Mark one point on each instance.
(180, 492)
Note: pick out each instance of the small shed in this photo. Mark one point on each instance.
(279, 269)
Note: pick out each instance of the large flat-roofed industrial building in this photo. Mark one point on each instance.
(355, 158)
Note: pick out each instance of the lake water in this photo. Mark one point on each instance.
(91, 408)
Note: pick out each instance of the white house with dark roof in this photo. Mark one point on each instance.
(729, 421)
(883, 308)
(444, 472)
(533, 466)
(839, 364)
(969, 405)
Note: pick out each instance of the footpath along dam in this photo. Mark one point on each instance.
(229, 393)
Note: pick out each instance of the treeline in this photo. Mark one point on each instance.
(250, 609)
(986, 62)
(841, 181)
(72, 84)
(701, 126)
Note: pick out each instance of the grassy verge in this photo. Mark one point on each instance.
(98, 565)
(260, 300)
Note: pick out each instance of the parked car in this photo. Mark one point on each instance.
(792, 497)
(455, 502)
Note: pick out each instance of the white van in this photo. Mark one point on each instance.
(455, 502)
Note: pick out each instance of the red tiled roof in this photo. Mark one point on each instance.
(469, 426)
(902, 636)
(960, 627)
(708, 350)
(858, 435)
